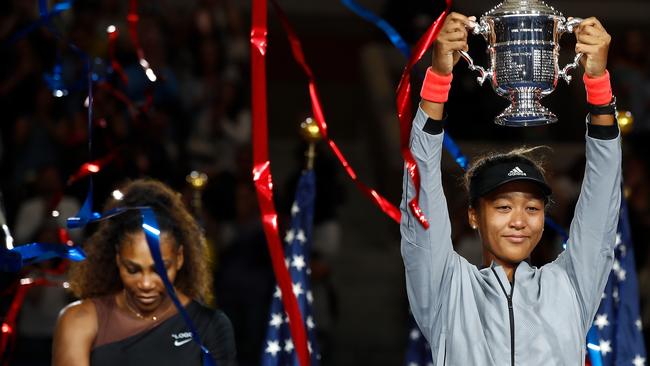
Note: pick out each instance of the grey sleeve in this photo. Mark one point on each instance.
(428, 254)
(589, 255)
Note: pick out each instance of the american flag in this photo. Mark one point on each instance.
(618, 322)
(418, 352)
(278, 347)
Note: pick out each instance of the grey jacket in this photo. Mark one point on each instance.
(475, 317)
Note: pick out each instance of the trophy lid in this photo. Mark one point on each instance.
(513, 7)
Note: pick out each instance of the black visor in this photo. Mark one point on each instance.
(492, 177)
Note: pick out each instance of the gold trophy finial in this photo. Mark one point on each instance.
(625, 122)
(311, 133)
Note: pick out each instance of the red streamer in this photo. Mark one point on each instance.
(89, 168)
(8, 331)
(119, 95)
(317, 110)
(113, 34)
(133, 18)
(405, 113)
(263, 181)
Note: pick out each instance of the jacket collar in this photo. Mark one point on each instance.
(522, 271)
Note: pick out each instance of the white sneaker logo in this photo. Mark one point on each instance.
(181, 338)
(516, 171)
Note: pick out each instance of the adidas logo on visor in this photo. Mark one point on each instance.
(516, 171)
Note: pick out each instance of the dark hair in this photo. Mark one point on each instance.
(98, 274)
(522, 155)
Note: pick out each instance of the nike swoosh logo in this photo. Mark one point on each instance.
(180, 343)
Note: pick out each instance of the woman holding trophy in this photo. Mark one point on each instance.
(510, 313)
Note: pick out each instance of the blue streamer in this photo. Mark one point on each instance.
(454, 151)
(397, 40)
(559, 229)
(393, 35)
(152, 234)
(86, 214)
(12, 260)
(44, 19)
(593, 347)
(54, 80)
(36, 252)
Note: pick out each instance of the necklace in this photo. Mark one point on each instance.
(137, 314)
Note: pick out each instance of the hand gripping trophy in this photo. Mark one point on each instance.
(523, 49)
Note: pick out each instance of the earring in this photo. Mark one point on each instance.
(474, 227)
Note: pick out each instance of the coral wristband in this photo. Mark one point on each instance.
(435, 88)
(599, 89)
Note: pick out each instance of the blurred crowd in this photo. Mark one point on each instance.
(197, 116)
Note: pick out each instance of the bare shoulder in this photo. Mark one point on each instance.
(75, 332)
(79, 313)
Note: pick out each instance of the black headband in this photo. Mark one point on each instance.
(492, 177)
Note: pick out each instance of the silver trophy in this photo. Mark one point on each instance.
(523, 47)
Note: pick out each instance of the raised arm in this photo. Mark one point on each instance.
(428, 254)
(592, 237)
(74, 335)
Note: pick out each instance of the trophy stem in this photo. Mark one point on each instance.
(525, 109)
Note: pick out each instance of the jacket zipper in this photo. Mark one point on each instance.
(444, 362)
(512, 316)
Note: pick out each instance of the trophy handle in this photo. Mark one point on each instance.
(483, 74)
(563, 27)
(481, 28)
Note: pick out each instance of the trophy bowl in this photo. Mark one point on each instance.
(523, 49)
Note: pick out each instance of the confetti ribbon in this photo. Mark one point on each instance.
(89, 168)
(263, 181)
(133, 18)
(152, 234)
(558, 228)
(13, 258)
(38, 252)
(53, 80)
(119, 95)
(8, 330)
(85, 214)
(593, 347)
(113, 34)
(395, 38)
(44, 18)
(317, 110)
(405, 114)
